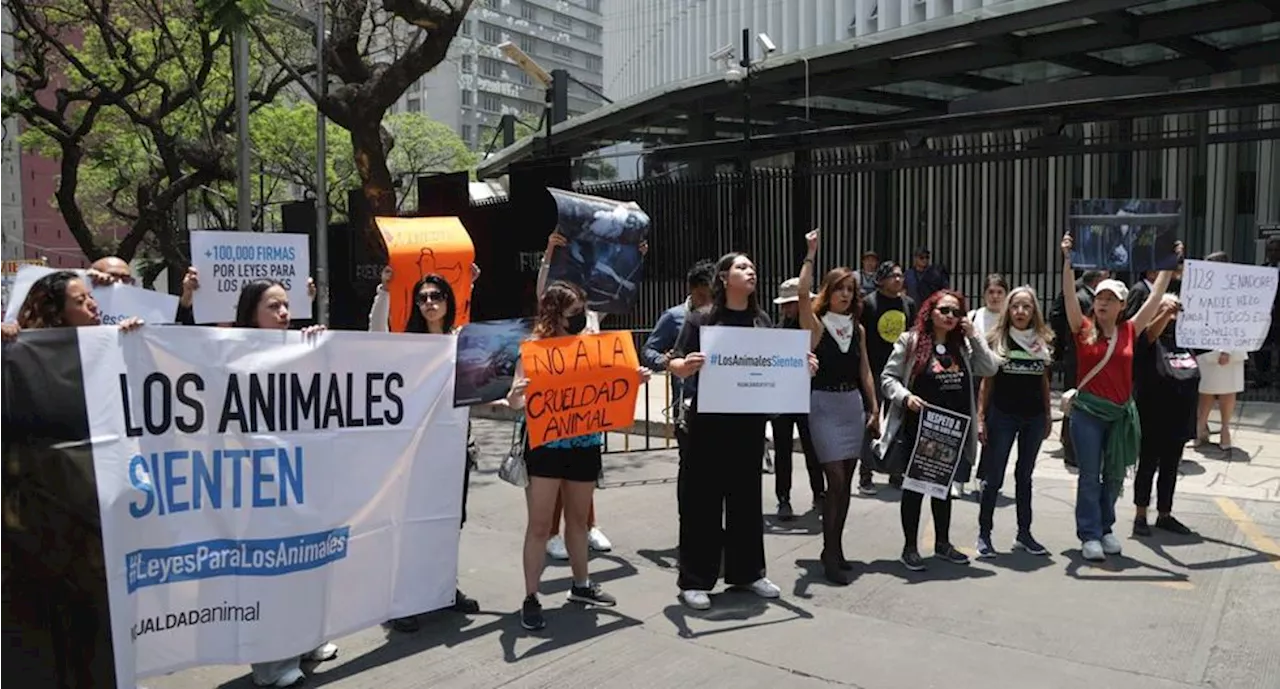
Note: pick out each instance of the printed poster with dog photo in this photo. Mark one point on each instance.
(940, 441)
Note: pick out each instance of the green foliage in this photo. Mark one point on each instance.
(284, 139)
(230, 14)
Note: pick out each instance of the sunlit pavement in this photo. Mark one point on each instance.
(1171, 612)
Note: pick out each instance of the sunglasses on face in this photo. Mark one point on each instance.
(949, 311)
(426, 297)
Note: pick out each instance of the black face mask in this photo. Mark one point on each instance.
(577, 323)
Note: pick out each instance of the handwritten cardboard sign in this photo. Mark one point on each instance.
(417, 247)
(579, 384)
(1226, 307)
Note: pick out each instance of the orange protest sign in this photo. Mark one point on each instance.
(417, 247)
(579, 384)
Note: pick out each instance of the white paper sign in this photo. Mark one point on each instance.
(261, 494)
(754, 371)
(229, 260)
(1226, 306)
(115, 302)
(118, 302)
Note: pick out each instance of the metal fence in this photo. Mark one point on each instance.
(989, 202)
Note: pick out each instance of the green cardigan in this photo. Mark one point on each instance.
(1123, 439)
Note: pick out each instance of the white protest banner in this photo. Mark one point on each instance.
(1226, 306)
(229, 260)
(261, 493)
(754, 371)
(115, 302)
(118, 302)
(939, 446)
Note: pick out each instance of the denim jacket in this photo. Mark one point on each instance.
(895, 384)
(661, 340)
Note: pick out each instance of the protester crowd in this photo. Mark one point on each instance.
(886, 342)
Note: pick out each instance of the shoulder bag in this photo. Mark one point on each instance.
(513, 469)
(1069, 397)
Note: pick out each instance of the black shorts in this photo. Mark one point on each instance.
(568, 463)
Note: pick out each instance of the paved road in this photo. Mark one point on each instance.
(1173, 612)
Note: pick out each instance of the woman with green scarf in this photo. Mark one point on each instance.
(1104, 419)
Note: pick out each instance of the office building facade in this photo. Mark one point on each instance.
(476, 85)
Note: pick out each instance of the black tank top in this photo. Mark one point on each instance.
(838, 370)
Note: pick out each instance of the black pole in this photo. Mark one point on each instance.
(745, 64)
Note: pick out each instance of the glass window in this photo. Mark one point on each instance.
(490, 33)
(561, 20)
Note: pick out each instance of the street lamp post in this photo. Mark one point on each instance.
(240, 77)
(322, 176)
(745, 63)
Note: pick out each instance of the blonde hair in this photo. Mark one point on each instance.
(998, 337)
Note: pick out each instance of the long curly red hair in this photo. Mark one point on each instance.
(923, 329)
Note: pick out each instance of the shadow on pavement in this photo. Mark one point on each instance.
(566, 626)
(1115, 569)
(731, 606)
(937, 571)
(664, 559)
(1159, 542)
(1019, 561)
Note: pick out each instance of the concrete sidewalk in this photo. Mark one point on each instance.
(1171, 612)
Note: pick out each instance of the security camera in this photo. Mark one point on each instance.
(734, 75)
(725, 53)
(766, 43)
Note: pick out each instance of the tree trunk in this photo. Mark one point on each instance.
(375, 178)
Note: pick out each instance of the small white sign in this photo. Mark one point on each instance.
(754, 371)
(227, 261)
(115, 302)
(118, 302)
(1226, 307)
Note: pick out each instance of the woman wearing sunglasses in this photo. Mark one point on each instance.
(435, 310)
(937, 363)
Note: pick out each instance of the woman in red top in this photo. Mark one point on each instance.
(1104, 418)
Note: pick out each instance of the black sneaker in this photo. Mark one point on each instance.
(531, 614)
(818, 501)
(1029, 544)
(785, 513)
(866, 487)
(463, 604)
(895, 480)
(1168, 523)
(1141, 527)
(949, 553)
(592, 594)
(984, 548)
(911, 560)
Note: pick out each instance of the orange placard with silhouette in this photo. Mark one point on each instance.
(579, 384)
(417, 247)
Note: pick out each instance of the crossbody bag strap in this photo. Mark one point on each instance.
(1111, 347)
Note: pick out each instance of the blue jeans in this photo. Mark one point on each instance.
(1095, 506)
(1002, 431)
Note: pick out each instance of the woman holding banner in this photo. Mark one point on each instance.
(721, 512)
(265, 304)
(936, 363)
(842, 401)
(567, 467)
(54, 575)
(1013, 407)
(435, 312)
(1105, 427)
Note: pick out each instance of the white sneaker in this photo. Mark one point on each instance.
(597, 541)
(698, 600)
(323, 653)
(765, 589)
(957, 490)
(1093, 551)
(1110, 544)
(288, 679)
(556, 549)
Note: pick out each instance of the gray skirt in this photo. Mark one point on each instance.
(836, 424)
